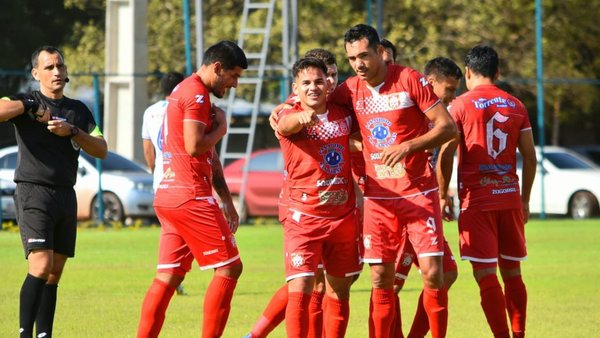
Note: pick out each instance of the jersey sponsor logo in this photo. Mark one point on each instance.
(383, 171)
(503, 181)
(331, 181)
(375, 156)
(296, 259)
(423, 81)
(333, 160)
(169, 175)
(503, 191)
(380, 134)
(499, 169)
(499, 102)
(199, 99)
(336, 197)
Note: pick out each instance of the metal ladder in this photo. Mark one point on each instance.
(252, 78)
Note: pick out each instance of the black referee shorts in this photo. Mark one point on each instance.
(47, 218)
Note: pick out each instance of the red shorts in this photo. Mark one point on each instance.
(487, 235)
(202, 226)
(310, 240)
(174, 256)
(408, 257)
(386, 219)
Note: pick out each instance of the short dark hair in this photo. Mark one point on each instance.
(387, 44)
(322, 54)
(443, 67)
(362, 31)
(49, 49)
(169, 81)
(228, 53)
(308, 62)
(482, 60)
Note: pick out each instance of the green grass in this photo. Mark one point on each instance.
(102, 288)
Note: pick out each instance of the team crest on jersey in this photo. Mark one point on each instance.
(296, 259)
(333, 160)
(367, 241)
(380, 134)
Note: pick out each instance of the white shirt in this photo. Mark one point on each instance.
(152, 130)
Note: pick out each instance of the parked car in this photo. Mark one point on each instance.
(7, 191)
(572, 183)
(127, 187)
(265, 177)
(592, 152)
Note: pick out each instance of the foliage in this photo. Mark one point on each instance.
(420, 29)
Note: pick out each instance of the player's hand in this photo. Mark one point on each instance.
(35, 109)
(274, 117)
(60, 127)
(447, 206)
(219, 119)
(394, 154)
(231, 216)
(307, 118)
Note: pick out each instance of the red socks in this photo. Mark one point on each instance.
(397, 324)
(382, 313)
(435, 303)
(493, 305)
(315, 315)
(217, 304)
(336, 317)
(515, 295)
(296, 315)
(153, 309)
(420, 325)
(273, 314)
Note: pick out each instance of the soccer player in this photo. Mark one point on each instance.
(444, 76)
(321, 224)
(49, 142)
(389, 52)
(492, 125)
(393, 105)
(194, 225)
(274, 313)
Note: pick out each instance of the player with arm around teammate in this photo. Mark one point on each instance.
(391, 105)
(492, 125)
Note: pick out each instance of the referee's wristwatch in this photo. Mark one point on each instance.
(74, 131)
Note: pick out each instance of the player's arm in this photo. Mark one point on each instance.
(527, 150)
(149, 154)
(275, 114)
(444, 129)
(356, 142)
(196, 140)
(220, 186)
(293, 122)
(92, 143)
(443, 173)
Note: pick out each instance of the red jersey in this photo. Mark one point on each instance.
(317, 163)
(391, 114)
(490, 122)
(185, 177)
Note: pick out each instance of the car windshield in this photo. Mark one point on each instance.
(115, 162)
(272, 161)
(566, 161)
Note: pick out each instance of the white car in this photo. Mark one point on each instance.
(571, 183)
(7, 203)
(126, 186)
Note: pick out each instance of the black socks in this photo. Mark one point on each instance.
(30, 298)
(45, 315)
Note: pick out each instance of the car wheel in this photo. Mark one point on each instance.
(242, 211)
(113, 209)
(583, 205)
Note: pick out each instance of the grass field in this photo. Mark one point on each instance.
(102, 289)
